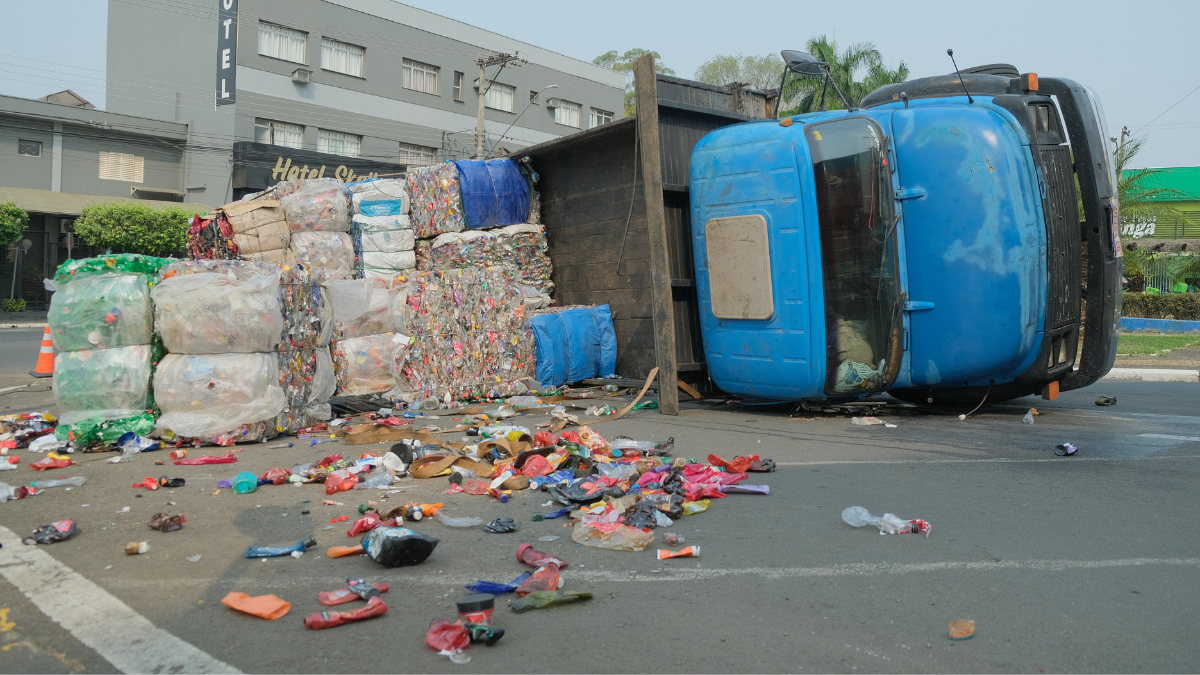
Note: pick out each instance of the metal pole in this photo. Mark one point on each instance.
(479, 132)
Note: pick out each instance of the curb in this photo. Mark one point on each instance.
(1153, 375)
(1159, 325)
(24, 325)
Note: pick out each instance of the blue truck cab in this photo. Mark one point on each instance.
(928, 244)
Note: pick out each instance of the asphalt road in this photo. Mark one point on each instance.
(1084, 564)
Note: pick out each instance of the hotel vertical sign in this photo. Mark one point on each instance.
(227, 51)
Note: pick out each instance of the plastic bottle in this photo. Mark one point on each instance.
(865, 421)
(376, 482)
(393, 463)
(278, 551)
(318, 620)
(890, 523)
(543, 599)
(523, 401)
(9, 463)
(245, 483)
(73, 480)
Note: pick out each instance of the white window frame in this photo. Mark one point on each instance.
(339, 143)
(122, 166)
(419, 76)
(280, 133)
(415, 156)
(458, 83)
(288, 41)
(343, 57)
(568, 113)
(497, 94)
(604, 117)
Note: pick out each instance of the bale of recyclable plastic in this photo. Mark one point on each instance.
(320, 205)
(494, 193)
(259, 229)
(361, 307)
(102, 383)
(574, 344)
(307, 312)
(308, 381)
(436, 196)
(520, 247)
(218, 307)
(100, 311)
(380, 197)
(388, 263)
(364, 365)
(467, 365)
(115, 263)
(330, 251)
(202, 396)
(463, 301)
(99, 430)
(385, 234)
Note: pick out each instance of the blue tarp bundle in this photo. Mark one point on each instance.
(575, 345)
(494, 193)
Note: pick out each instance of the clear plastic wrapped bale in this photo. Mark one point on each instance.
(218, 307)
(102, 383)
(319, 205)
(206, 396)
(380, 197)
(331, 251)
(383, 245)
(101, 311)
(364, 307)
(365, 365)
(436, 195)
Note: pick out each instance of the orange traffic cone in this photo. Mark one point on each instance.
(45, 364)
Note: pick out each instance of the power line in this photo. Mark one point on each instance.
(1168, 109)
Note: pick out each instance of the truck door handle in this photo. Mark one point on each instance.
(910, 193)
(917, 305)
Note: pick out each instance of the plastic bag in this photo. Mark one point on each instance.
(206, 395)
(100, 311)
(234, 308)
(544, 579)
(543, 599)
(890, 523)
(614, 537)
(318, 206)
(448, 521)
(364, 365)
(106, 384)
(350, 299)
(397, 261)
(330, 251)
(398, 546)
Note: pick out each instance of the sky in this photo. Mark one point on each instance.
(1139, 58)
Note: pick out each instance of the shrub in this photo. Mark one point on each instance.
(12, 305)
(135, 228)
(1180, 306)
(13, 220)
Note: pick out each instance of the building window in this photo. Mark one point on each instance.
(29, 148)
(567, 113)
(337, 143)
(600, 117)
(278, 133)
(532, 95)
(280, 42)
(121, 166)
(458, 78)
(500, 97)
(341, 57)
(420, 77)
(415, 156)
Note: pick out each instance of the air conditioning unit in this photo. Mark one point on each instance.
(302, 76)
(553, 103)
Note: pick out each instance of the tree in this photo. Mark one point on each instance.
(623, 63)
(135, 228)
(1143, 198)
(760, 72)
(13, 221)
(803, 92)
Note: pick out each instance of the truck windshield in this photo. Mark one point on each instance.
(858, 255)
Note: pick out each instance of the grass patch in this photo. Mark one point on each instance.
(1154, 344)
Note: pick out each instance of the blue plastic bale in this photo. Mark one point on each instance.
(575, 345)
(494, 193)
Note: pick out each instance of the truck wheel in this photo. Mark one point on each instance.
(959, 397)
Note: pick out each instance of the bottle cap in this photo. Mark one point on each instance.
(476, 602)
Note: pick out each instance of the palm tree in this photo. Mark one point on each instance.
(1138, 191)
(803, 92)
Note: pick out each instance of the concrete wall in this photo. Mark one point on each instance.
(18, 170)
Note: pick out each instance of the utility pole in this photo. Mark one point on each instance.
(501, 60)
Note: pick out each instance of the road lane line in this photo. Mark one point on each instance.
(991, 460)
(99, 620)
(1169, 437)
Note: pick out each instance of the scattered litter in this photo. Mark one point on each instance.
(53, 533)
(1065, 450)
(264, 606)
(866, 421)
(1028, 418)
(358, 589)
(671, 539)
(962, 629)
(1103, 400)
(279, 551)
(398, 546)
(136, 548)
(543, 599)
(476, 608)
(167, 523)
(500, 526)
(194, 558)
(547, 538)
(857, 516)
(318, 620)
(466, 521)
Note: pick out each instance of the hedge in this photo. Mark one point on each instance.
(135, 228)
(1179, 306)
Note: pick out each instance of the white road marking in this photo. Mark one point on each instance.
(1153, 375)
(995, 460)
(1186, 439)
(123, 637)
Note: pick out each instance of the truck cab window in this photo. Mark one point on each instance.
(858, 255)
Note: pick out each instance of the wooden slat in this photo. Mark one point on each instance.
(656, 227)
